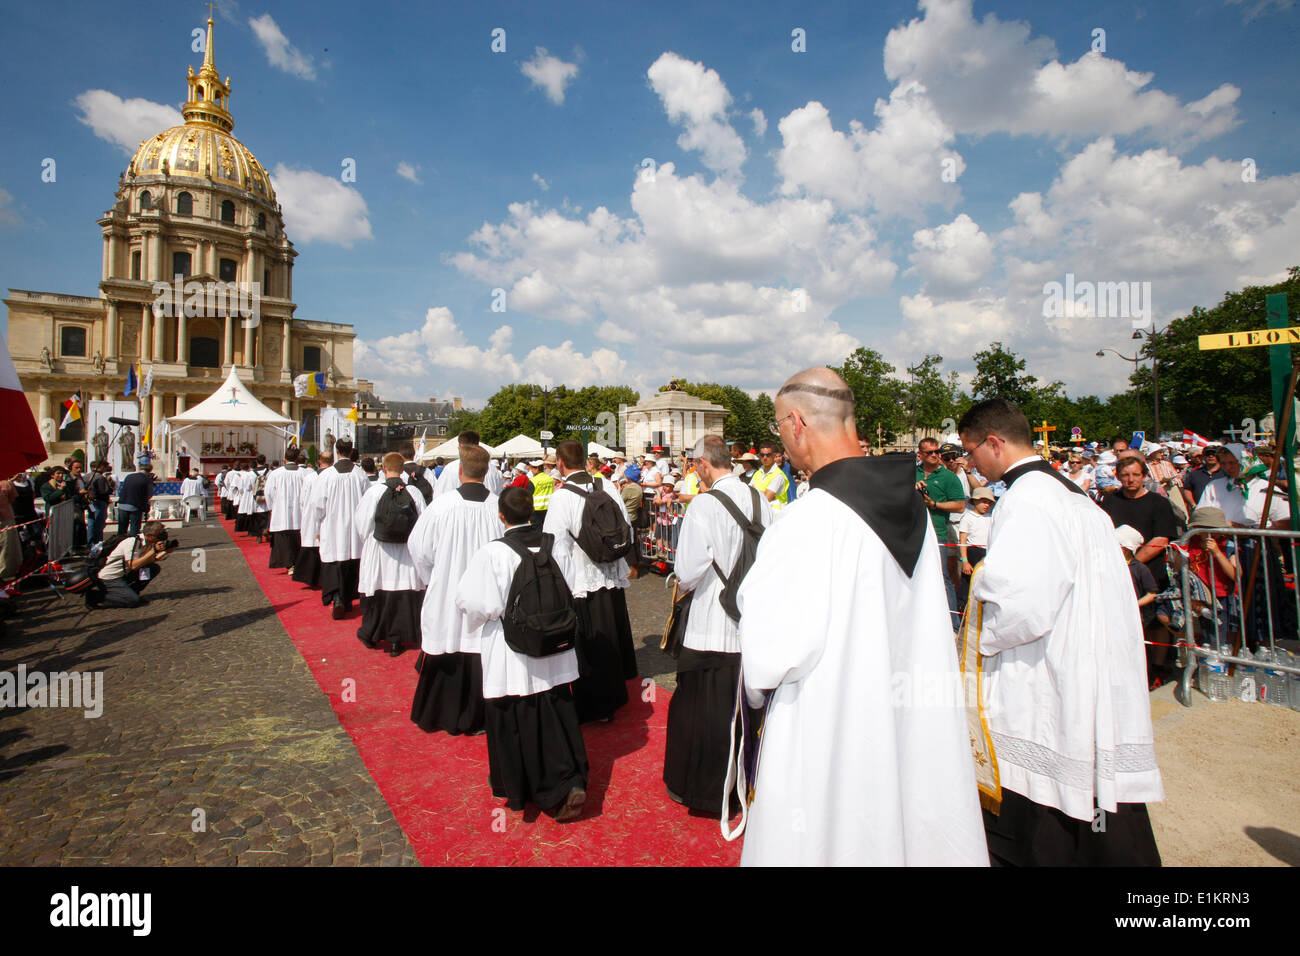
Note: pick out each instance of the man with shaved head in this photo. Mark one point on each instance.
(845, 641)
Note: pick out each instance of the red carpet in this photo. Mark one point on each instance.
(437, 785)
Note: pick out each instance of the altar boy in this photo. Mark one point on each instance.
(535, 749)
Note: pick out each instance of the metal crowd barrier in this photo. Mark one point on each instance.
(59, 530)
(1213, 624)
(658, 541)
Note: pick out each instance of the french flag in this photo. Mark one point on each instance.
(23, 447)
(1192, 438)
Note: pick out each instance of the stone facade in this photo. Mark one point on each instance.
(673, 419)
(197, 276)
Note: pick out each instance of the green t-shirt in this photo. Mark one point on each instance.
(942, 485)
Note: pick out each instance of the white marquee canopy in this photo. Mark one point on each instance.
(232, 417)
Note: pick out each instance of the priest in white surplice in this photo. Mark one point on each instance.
(335, 496)
(392, 590)
(243, 484)
(306, 567)
(606, 655)
(1068, 708)
(449, 695)
(284, 498)
(193, 487)
(223, 493)
(699, 715)
(450, 478)
(535, 749)
(865, 755)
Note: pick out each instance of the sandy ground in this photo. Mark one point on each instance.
(1230, 771)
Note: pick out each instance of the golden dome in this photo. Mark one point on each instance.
(202, 148)
(201, 151)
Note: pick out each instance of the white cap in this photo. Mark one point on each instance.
(521, 467)
(1179, 460)
(1107, 458)
(537, 463)
(1129, 537)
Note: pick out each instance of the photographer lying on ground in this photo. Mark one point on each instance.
(132, 566)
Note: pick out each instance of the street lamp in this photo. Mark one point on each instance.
(1101, 353)
(1155, 369)
(545, 395)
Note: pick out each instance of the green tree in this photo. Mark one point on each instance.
(932, 394)
(1207, 391)
(877, 395)
(998, 374)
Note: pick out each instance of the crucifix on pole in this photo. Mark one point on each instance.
(1045, 429)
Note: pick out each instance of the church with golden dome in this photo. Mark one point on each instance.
(193, 203)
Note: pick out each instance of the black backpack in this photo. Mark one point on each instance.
(85, 579)
(395, 514)
(416, 476)
(605, 535)
(750, 531)
(540, 617)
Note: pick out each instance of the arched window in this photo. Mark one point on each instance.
(261, 221)
(146, 200)
(227, 211)
(185, 205)
(205, 352)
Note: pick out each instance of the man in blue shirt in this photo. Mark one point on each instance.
(133, 498)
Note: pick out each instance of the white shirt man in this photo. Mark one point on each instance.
(284, 498)
(335, 495)
(450, 478)
(535, 748)
(1065, 666)
(390, 584)
(449, 695)
(306, 567)
(1243, 508)
(605, 637)
(193, 487)
(865, 755)
(708, 667)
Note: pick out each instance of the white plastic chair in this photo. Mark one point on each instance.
(195, 503)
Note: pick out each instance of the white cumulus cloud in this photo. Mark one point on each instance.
(696, 98)
(990, 75)
(549, 74)
(125, 123)
(320, 208)
(280, 53)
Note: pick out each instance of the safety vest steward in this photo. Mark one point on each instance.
(543, 488)
(763, 478)
(691, 485)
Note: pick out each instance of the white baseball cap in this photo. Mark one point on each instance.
(1129, 537)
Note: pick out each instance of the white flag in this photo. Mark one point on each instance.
(419, 449)
(147, 386)
(300, 386)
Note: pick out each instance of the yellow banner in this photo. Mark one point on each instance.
(1245, 340)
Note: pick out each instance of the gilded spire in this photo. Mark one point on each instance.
(209, 98)
(208, 65)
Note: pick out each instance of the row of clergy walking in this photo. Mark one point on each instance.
(818, 675)
(433, 562)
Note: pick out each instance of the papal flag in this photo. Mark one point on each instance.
(73, 406)
(22, 447)
(352, 414)
(419, 449)
(300, 385)
(147, 385)
(145, 440)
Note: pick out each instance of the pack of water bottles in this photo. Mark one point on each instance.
(1255, 681)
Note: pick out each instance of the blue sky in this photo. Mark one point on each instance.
(777, 178)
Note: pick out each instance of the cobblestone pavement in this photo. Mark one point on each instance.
(648, 604)
(215, 746)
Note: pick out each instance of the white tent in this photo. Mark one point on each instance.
(227, 423)
(595, 448)
(521, 446)
(450, 450)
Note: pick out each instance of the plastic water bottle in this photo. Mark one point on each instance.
(1294, 661)
(1245, 681)
(1218, 683)
(1273, 684)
